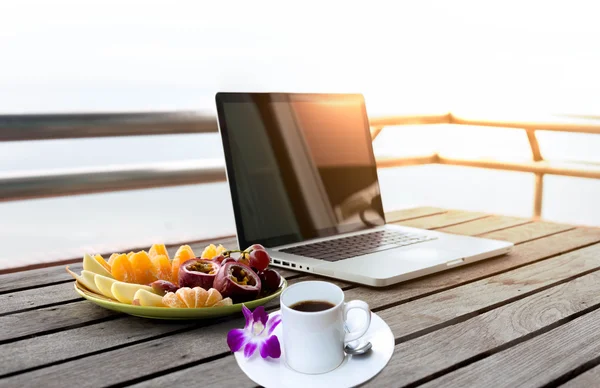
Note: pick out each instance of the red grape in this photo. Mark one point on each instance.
(257, 246)
(259, 259)
(218, 259)
(269, 279)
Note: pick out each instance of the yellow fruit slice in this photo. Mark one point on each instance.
(145, 298)
(183, 254)
(162, 267)
(86, 279)
(143, 269)
(158, 249)
(214, 296)
(187, 296)
(102, 262)
(172, 300)
(122, 270)
(224, 302)
(104, 285)
(91, 264)
(201, 296)
(112, 258)
(124, 292)
(209, 252)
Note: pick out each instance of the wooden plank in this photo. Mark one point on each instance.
(484, 225)
(536, 362)
(460, 303)
(527, 232)
(587, 379)
(523, 254)
(211, 339)
(129, 363)
(36, 278)
(48, 319)
(223, 372)
(414, 361)
(451, 217)
(407, 214)
(41, 350)
(37, 297)
(57, 347)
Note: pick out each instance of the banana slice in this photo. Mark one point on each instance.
(92, 265)
(145, 298)
(125, 292)
(104, 284)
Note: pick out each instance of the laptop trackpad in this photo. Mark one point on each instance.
(396, 261)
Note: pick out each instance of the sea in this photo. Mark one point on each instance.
(44, 230)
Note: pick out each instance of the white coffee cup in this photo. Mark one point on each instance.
(313, 342)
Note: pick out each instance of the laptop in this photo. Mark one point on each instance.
(303, 183)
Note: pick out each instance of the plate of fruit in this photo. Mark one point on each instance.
(151, 285)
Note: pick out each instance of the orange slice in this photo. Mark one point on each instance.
(172, 300)
(158, 249)
(112, 258)
(187, 296)
(144, 270)
(102, 262)
(183, 254)
(122, 270)
(201, 296)
(214, 296)
(162, 267)
(224, 302)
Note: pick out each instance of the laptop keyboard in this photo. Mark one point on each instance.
(363, 244)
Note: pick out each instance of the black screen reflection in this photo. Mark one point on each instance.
(302, 167)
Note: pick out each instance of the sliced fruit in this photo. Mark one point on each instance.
(209, 252)
(145, 298)
(104, 284)
(187, 296)
(173, 301)
(122, 270)
(161, 287)
(162, 267)
(124, 292)
(112, 258)
(86, 279)
(201, 296)
(183, 254)
(214, 296)
(158, 249)
(143, 269)
(91, 264)
(224, 302)
(102, 262)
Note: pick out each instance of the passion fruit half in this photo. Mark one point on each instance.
(238, 282)
(198, 272)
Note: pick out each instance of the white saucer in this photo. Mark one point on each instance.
(353, 371)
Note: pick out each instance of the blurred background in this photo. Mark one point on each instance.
(501, 59)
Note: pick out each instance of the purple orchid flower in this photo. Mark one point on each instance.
(257, 334)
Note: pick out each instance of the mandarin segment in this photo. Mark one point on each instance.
(112, 258)
(172, 300)
(214, 296)
(157, 250)
(187, 296)
(162, 267)
(201, 296)
(183, 254)
(122, 270)
(102, 262)
(144, 270)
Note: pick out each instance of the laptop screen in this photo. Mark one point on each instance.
(299, 166)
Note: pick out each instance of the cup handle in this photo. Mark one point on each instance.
(356, 334)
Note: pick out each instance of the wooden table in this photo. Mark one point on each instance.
(530, 318)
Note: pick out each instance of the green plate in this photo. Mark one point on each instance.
(174, 313)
